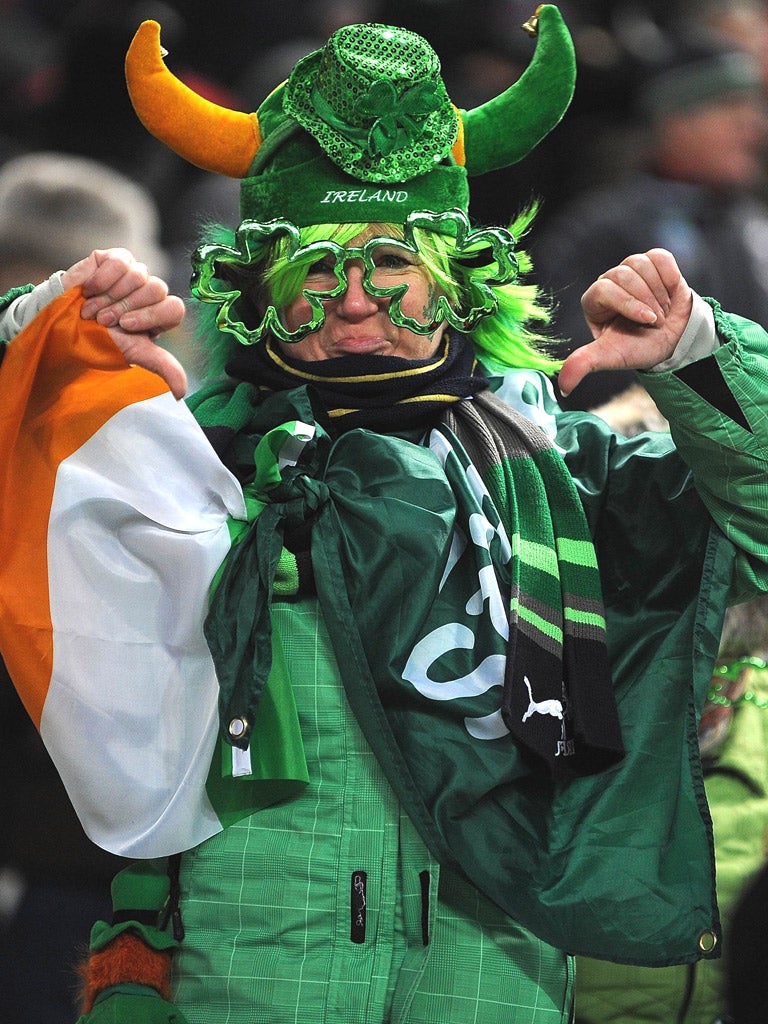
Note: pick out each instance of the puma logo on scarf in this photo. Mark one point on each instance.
(544, 707)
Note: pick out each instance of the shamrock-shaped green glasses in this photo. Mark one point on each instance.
(475, 260)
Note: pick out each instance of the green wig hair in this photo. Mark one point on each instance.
(514, 337)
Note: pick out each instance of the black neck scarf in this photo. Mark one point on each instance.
(381, 393)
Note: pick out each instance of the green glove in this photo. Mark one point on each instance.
(132, 1004)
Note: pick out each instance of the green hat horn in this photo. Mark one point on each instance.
(505, 129)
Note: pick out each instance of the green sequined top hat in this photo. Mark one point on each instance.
(373, 99)
(363, 130)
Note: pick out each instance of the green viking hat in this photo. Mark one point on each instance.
(362, 130)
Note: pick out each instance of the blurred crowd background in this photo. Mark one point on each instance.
(646, 156)
(63, 89)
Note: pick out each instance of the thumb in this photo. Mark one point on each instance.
(583, 361)
(141, 350)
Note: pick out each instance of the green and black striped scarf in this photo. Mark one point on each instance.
(556, 653)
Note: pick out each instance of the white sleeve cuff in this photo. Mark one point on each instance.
(698, 340)
(15, 317)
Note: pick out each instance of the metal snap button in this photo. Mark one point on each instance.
(707, 942)
(238, 728)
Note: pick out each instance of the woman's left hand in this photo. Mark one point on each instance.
(636, 312)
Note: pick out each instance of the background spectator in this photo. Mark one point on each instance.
(695, 193)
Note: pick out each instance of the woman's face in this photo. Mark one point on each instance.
(357, 322)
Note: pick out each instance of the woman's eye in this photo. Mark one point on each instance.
(391, 261)
(321, 268)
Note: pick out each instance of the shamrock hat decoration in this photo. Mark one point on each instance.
(374, 102)
(362, 130)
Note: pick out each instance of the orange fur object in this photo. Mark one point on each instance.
(125, 960)
(458, 151)
(206, 134)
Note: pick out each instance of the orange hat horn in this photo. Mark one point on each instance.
(208, 135)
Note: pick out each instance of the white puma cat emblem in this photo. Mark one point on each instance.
(544, 707)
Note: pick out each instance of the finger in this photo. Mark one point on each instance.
(103, 269)
(132, 288)
(647, 280)
(154, 317)
(654, 273)
(639, 276)
(665, 264)
(79, 272)
(624, 345)
(141, 350)
(608, 298)
(110, 308)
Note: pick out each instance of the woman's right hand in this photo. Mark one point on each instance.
(121, 295)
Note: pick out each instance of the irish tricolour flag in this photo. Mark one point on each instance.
(114, 521)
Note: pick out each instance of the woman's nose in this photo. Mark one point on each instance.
(355, 302)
